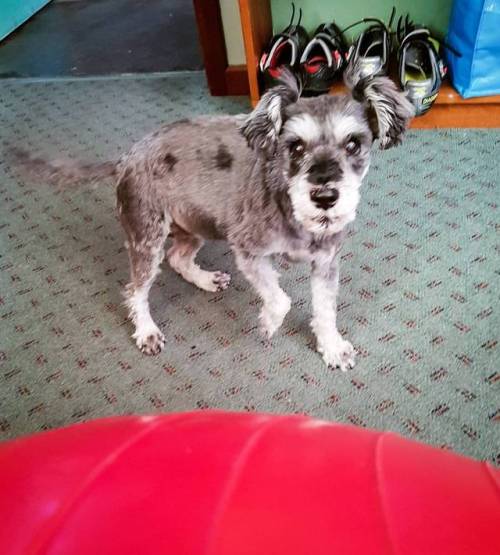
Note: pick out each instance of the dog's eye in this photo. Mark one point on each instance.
(296, 148)
(352, 146)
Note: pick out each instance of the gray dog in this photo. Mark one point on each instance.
(284, 179)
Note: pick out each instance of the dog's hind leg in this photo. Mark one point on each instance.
(181, 256)
(144, 267)
(146, 230)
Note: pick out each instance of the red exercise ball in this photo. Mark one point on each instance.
(215, 483)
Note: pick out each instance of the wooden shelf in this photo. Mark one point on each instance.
(449, 110)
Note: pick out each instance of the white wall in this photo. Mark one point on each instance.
(230, 13)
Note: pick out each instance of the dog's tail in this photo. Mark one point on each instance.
(60, 172)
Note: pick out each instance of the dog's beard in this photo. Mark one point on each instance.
(319, 221)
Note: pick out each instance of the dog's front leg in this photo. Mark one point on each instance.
(260, 273)
(324, 285)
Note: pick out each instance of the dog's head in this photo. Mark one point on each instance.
(321, 146)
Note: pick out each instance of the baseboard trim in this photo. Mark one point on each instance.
(236, 80)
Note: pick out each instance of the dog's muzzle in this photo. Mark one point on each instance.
(324, 198)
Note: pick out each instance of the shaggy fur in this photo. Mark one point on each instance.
(284, 179)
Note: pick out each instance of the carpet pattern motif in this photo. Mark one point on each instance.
(418, 296)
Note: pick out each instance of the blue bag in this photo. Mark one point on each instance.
(474, 32)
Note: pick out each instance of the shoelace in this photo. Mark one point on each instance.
(291, 24)
(374, 20)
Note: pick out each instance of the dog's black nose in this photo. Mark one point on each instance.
(324, 199)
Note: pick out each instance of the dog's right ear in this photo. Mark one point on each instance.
(262, 127)
(388, 109)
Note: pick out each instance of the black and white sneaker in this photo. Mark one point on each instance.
(284, 51)
(323, 59)
(420, 67)
(372, 49)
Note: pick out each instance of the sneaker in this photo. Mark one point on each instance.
(323, 59)
(371, 51)
(421, 69)
(284, 51)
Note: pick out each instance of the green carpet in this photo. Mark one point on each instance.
(418, 296)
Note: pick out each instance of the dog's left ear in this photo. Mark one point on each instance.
(389, 111)
(262, 127)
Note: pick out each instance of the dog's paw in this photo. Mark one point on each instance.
(272, 315)
(210, 281)
(150, 343)
(337, 353)
(221, 280)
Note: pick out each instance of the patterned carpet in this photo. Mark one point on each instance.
(418, 297)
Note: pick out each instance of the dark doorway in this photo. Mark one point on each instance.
(103, 37)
